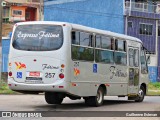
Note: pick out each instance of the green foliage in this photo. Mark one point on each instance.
(4, 89)
(157, 85)
(154, 86)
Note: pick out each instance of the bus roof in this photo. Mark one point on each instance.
(105, 32)
(85, 28)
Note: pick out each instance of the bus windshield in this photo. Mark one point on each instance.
(38, 37)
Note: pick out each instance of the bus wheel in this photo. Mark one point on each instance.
(96, 100)
(53, 97)
(141, 94)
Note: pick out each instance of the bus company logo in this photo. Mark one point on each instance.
(117, 72)
(40, 35)
(20, 65)
(46, 66)
(76, 72)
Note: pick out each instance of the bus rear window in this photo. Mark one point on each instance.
(38, 37)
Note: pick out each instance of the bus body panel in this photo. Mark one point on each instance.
(47, 69)
(19, 87)
(81, 78)
(88, 80)
(45, 65)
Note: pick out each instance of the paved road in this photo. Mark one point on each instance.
(37, 103)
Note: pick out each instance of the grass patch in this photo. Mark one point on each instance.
(153, 93)
(4, 89)
(154, 86)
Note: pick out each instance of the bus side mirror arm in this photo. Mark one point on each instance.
(148, 60)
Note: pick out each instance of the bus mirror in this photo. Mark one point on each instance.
(148, 60)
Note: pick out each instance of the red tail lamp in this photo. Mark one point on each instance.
(61, 75)
(10, 73)
(61, 86)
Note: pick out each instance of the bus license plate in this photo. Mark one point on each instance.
(33, 74)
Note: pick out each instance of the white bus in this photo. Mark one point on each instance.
(68, 60)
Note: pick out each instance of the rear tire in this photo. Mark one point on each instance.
(53, 97)
(141, 95)
(96, 100)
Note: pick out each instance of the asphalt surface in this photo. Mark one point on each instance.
(111, 103)
(37, 103)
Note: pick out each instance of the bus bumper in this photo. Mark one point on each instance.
(59, 86)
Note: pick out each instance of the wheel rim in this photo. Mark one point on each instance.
(141, 93)
(99, 96)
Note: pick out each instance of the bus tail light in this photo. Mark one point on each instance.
(10, 73)
(61, 75)
(74, 84)
(61, 86)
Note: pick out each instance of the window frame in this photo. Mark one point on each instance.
(82, 46)
(145, 27)
(111, 39)
(124, 45)
(94, 47)
(18, 11)
(131, 24)
(134, 57)
(118, 51)
(104, 49)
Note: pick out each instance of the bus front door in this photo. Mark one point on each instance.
(133, 54)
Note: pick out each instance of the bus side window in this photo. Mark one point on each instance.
(124, 45)
(82, 46)
(98, 41)
(112, 44)
(120, 55)
(116, 44)
(75, 37)
(103, 52)
(85, 39)
(144, 68)
(136, 57)
(133, 57)
(120, 45)
(106, 42)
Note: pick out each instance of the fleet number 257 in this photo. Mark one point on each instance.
(49, 75)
